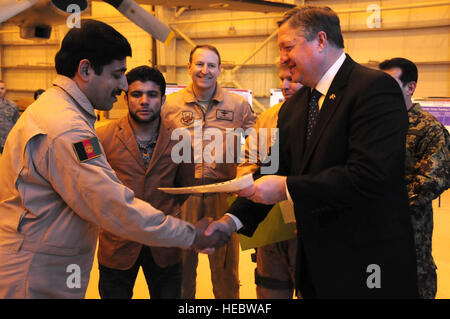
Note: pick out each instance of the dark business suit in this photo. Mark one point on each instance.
(348, 188)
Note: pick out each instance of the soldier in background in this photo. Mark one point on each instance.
(9, 113)
(427, 170)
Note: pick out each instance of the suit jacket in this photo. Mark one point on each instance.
(123, 155)
(348, 188)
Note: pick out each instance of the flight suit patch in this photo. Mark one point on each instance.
(87, 149)
(224, 115)
(187, 117)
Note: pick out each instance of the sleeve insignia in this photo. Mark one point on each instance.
(87, 149)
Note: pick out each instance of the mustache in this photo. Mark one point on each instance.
(116, 92)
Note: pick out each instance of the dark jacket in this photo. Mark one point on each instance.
(348, 187)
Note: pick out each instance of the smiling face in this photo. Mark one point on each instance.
(204, 69)
(288, 86)
(103, 89)
(302, 57)
(144, 101)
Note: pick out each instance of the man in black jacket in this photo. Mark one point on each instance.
(344, 170)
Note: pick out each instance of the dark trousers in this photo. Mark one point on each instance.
(163, 283)
(305, 287)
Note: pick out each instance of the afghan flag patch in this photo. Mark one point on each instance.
(87, 149)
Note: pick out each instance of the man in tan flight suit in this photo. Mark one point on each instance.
(207, 107)
(56, 187)
(274, 273)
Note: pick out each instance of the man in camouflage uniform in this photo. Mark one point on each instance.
(427, 170)
(9, 113)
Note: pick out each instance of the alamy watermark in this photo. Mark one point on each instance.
(74, 279)
(374, 19)
(374, 279)
(73, 20)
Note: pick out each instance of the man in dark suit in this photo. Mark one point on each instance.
(344, 170)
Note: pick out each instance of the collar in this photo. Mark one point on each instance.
(72, 89)
(415, 108)
(326, 80)
(125, 123)
(189, 96)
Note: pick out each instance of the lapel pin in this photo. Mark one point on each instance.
(332, 96)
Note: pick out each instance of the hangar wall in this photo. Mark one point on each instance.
(373, 31)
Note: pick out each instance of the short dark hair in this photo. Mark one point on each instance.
(37, 93)
(95, 41)
(145, 73)
(312, 20)
(409, 69)
(204, 46)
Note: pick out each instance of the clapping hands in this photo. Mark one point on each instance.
(212, 234)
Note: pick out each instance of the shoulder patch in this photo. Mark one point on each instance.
(187, 117)
(87, 149)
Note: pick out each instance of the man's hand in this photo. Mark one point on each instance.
(269, 189)
(225, 225)
(206, 243)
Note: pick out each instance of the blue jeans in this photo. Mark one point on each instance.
(163, 283)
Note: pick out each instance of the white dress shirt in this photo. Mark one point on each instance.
(323, 86)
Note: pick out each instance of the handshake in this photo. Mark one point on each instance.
(212, 234)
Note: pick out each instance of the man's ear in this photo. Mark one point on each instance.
(84, 69)
(163, 100)
(411, 87)
(322, 40)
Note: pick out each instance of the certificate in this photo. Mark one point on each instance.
(231, 186)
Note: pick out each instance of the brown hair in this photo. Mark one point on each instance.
(312, 20)
(204, 46)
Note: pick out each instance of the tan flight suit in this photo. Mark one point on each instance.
(274, 275)
(227, 111)
(52, 204)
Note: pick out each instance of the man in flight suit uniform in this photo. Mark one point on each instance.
(275, 263)
(204, 101)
